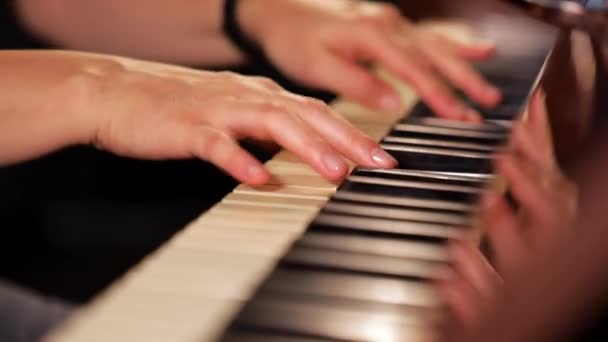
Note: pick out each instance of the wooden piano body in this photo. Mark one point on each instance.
(196, 284)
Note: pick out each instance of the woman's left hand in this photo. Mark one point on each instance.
(326, 44)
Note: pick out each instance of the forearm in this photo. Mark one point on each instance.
(42, 96)
(182, 31)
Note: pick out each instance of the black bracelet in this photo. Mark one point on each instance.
(232, 29)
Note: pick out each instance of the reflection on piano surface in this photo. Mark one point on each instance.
(284, 262)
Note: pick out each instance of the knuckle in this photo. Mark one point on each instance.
(271, 108)
(214, 144)
(378, 15)
(271, 111)
(317, 105)
(267, 83)
(389, 11)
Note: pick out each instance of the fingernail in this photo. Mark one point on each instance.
(382, 159)
(334, 164)
(256, 171)
(390, 102)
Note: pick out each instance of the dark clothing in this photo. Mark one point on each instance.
(27, 316)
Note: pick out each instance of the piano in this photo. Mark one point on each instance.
(303, 259)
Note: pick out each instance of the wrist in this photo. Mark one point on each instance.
(81, 97)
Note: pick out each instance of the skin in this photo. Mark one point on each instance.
(157, 111)
(547, 205)
(317, 42)
(557, 294)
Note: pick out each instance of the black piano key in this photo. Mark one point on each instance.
(301, 256)
(434, 159)
(424, 116)
(471, 180)
(411, 189)
(408, 130)
(319, 320)
(397, 213)
(513, 85)
(356, 242)
(352, 288)
(448, 145)
(401, 201)
(506, 112)
(385, 227)
(433, 121)
(236, 334)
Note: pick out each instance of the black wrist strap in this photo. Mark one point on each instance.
(233, 31)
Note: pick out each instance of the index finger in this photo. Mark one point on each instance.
(410, 66)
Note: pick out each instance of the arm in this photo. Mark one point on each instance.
(184, 31)
(41, 102)
(320, 43)
(49, 100)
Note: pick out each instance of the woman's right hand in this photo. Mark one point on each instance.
(157, 111)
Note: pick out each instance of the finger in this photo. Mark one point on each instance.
(462, 300)
(477, 50)
(475, 269)
(341, 135)
(460, 73)
(505, 235)
(273, 118)
(299, 138)
(538, 119)
(221, 150)
(523, 182)
(352, 80)
(380, 48)
(534, 150)
(538, 191)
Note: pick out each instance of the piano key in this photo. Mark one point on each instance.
(320, 321)
(415, 184)
(255, 335)
(237, 240)
(420, 190)
(254, 214)
(283, 191)
(257, 222)
(275, 201)
(403, 201)
(397, 213)
(352, 287)
(476, 180)
(423, 231)
(482, 135)
(235, 206)
(358, 243)
(436, 159)
(444, 123)
(360, 263)
(440, 143)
